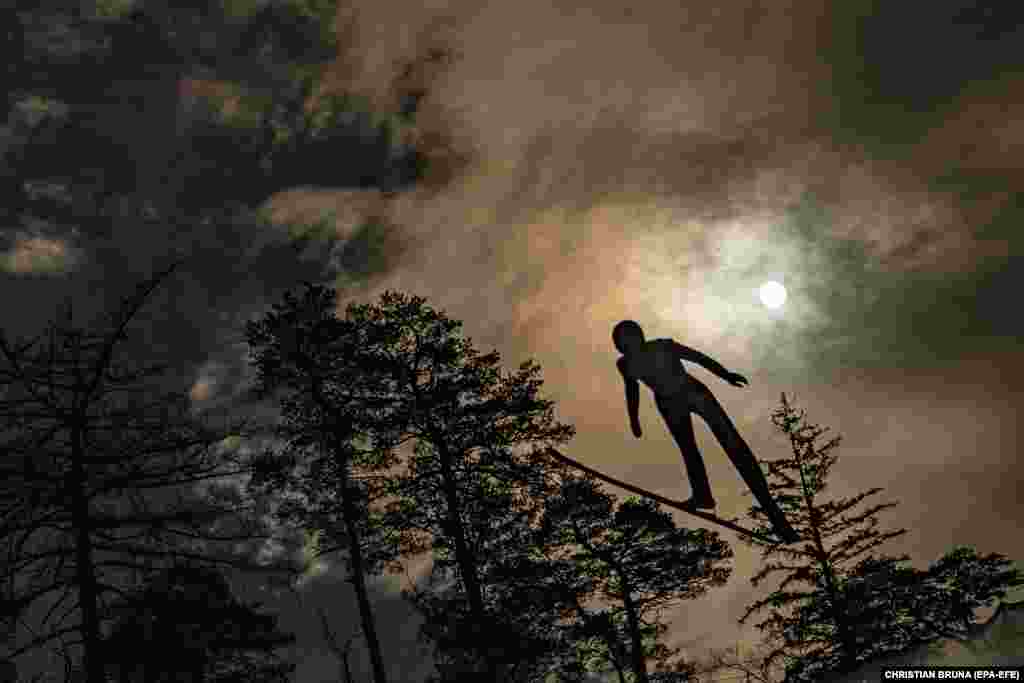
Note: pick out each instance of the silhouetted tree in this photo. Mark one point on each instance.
(313, 362)
(98, 475)
(185, 625)
(642, 563)
(858, 606)
(465, 418)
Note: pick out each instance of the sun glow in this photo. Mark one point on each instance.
(772, 294)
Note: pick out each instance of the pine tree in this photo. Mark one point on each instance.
(464, 492)
(99, 475)
(834, 540)
(857, 606)
(641, 563)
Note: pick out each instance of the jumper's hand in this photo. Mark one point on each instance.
(736, 379)
(637, 432)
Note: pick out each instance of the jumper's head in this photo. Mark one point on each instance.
(627, 335)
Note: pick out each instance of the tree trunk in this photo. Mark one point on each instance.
(849, 655)
(637, 654)
(465, 560)
(85, 575)
(358, 579)
(348, 671)
(618, 668)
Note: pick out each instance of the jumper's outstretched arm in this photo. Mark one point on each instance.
(706, 362)
(661, 499)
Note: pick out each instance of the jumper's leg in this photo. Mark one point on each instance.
(708, 407)
(676, 413)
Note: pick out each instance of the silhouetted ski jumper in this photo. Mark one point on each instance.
(657, 364)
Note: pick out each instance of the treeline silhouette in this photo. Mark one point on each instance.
(396, 438)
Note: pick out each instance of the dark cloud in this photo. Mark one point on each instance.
(897, 71)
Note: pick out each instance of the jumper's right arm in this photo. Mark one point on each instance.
(632, 398)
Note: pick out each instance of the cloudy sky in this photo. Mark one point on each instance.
(594, 162)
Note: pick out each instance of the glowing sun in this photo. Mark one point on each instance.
(772, 294)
